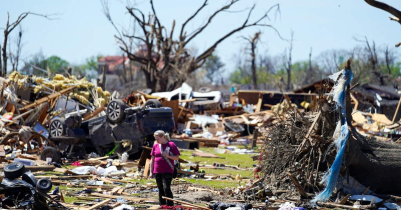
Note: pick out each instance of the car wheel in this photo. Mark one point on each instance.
(44, 185)
(52, 153)
(152, 103)
(78, 121)
(30, 178)
(14, 170)
(57, 128)
(115, 111)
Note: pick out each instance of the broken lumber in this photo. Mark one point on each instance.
(334, 205)
(47, 98)
(298, 186)
(129, 198)
(37, 168)
(186, 203)
(94, 113)
(99, 204)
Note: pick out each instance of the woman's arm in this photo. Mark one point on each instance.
(172, 157)
(152, 161)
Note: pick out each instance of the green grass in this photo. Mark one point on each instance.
(71, 190)
(218, 184)
(232, 172)
(244, 161)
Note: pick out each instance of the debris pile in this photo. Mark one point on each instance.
(95, 147)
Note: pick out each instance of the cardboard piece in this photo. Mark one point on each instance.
(359, 118)
(381, 119)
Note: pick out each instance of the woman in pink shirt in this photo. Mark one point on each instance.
(161, 169)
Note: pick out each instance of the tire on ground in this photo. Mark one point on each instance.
(52, 153)
(44, 185)
(14, 170)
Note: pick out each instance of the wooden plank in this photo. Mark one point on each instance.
(120, 191)
(245, 119)
(37, 168)
(334, 205)
(64, 177)
(94, 113)
(99, 204)
(298, 186)
(205, 140)
(109, 180)
(129, 198)
(246, 115)
(187, 100)
(203, 154)
(146, 170)
(54, 102)
(47, 98)
(396, 110)
(186, 203)
(259, 104)
(115, 190)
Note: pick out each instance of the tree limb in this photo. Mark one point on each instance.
(190, 18)
(154, 12)
(387, 8)
(205, 54)
(209, 21)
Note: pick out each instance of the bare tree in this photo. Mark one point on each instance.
(389, 58)
(166, 61)
(253, 41)
(288, 63)
(8, 29)
(213, 67)
(373, 61)
(16, 54)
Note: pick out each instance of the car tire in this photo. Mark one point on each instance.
(115, 110)
(78, 121)
(14, 170)
(52, 153)
(152, 103)
(30, 178)
(44, 185)
(69, 122)
(57, 127)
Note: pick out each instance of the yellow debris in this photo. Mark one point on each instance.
(58, 77)
(14, 76)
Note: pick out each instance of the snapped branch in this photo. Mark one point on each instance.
(387, 8)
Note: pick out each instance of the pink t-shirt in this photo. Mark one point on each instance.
(160, 165)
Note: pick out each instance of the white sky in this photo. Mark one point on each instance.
(83, 30)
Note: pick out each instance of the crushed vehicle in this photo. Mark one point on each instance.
(122, 129)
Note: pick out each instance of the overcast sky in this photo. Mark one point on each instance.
(82, 30)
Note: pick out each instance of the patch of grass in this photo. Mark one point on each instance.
(243, 160)
(71, 190)
(218, 184)
(232, 172)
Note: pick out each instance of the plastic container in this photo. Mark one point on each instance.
(124, 157)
